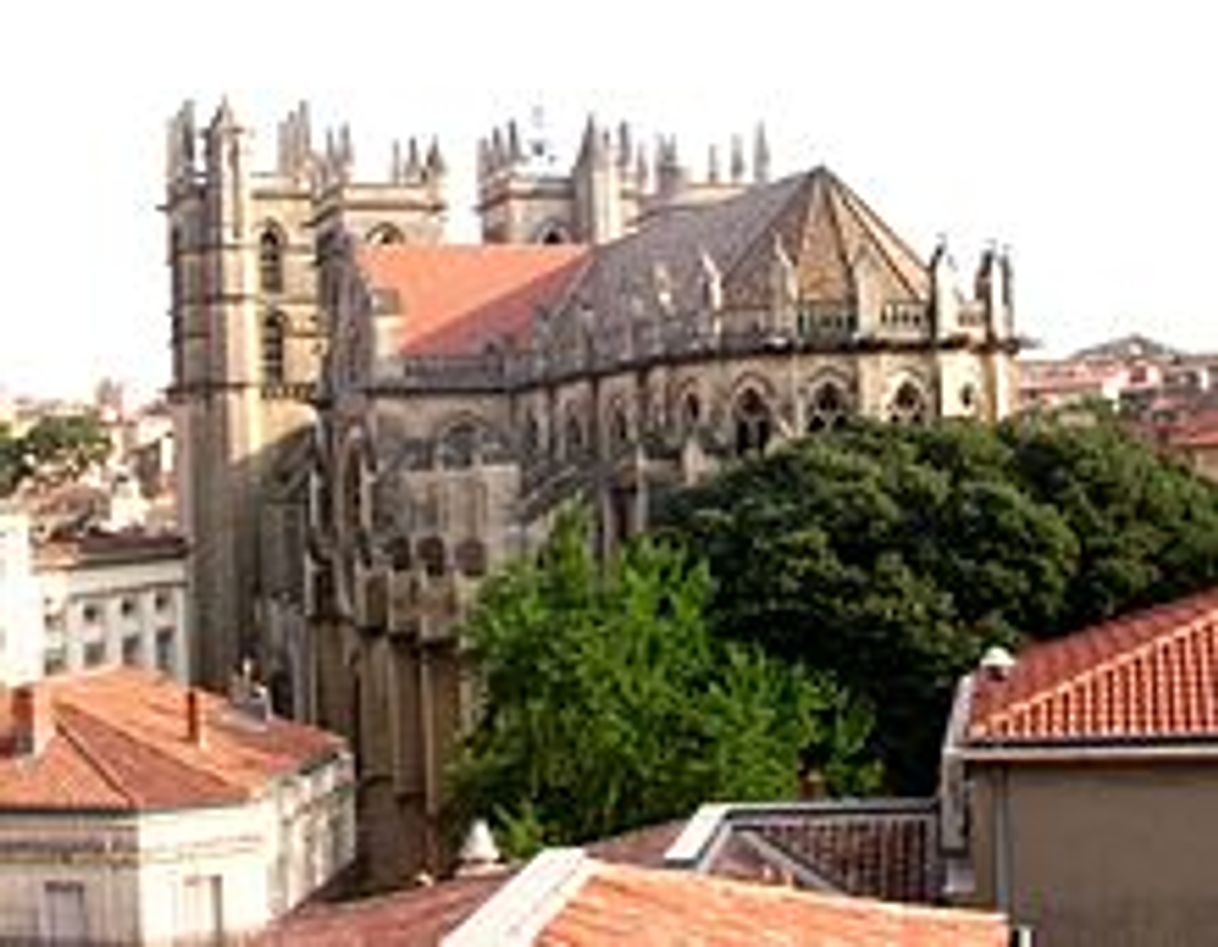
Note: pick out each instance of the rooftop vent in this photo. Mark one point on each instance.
(997, 663)
(479, 853)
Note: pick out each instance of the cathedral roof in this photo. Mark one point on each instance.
(459, 299)
(824, 227)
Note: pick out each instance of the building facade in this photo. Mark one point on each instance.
(134, 810)
(370, 419)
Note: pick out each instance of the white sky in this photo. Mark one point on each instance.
(1081, 133)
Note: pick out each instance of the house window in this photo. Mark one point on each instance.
(90, 613)
(95, 653)
(165, 650)
(127, 607)
(64, 913)
(273, 370)
(132, 651)
(161, 601)
(270, 261)
(55, 661)
(203, 910)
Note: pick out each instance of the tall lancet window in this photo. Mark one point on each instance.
(270, 260)
(273, 345)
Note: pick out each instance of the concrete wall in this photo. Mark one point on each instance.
(1099, 854)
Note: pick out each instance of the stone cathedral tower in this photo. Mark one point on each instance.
(249, 338)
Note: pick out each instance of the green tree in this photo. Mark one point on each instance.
(54, 448)
(608, 704)
(891, 557)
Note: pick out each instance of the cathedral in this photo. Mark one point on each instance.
(370, 418)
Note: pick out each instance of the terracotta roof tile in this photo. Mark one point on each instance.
(1150, 675)
(119, 743)
(647, 908)
(459, 299)
(419, 917)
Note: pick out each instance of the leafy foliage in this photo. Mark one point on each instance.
(892, 557)
(55, 448)
(610, 705)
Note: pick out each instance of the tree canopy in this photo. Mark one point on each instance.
(55, 447)
(891, 557)
(609, 704)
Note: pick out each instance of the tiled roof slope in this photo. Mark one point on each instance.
(1147, 676)
(824, 228)
(648, 908)
(458, 299)
(883, 855)
(419, 917)
(120, 744)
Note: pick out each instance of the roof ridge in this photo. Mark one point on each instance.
(802, 188)
(872, 216)
(865, 220)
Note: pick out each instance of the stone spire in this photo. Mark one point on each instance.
(761, 156)
(737, 165)
(436, 166)
(712, 165)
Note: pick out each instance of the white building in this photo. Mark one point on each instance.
(21, 634)
(134, 810)
(114, 598)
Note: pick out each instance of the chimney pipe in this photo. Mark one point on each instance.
(33, 723)
(194, 719)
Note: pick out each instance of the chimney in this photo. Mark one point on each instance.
(195, 732)
(33, 719)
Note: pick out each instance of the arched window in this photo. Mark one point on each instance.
(270, 260)
(459, 446)
(753, 423)
(470, 556)
(273, 345)
(532, 435)
(385, 235)
(619, 427)
(574, 435)
(691, 411)
(828, 408)
(433, 556)
(908, 405)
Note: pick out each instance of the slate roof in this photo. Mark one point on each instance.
(120, 744)
(1149, 676)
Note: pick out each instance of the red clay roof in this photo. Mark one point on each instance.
(459, 299)
(649, 908)
(414, 918)
(1150, 675)
(120, 744)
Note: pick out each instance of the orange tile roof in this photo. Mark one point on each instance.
(414, 918)
(649, 908)
(1152, 675)
(120, 744)
(458, 299)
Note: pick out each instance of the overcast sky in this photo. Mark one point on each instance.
(1082, 134)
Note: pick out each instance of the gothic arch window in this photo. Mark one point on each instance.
(552, 232)
(908, 405)
(754, 423)
(619, 427)
(574, 439)
(433, 556)
(970, 400)
(270, 260)
(470, 557)
(273, 349)
(352, 494)
(384, 235)
(828, 407)
(460, 445)
(532, 435)
(175, 267)
(691, 411)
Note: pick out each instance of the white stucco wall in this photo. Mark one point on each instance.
(269, 855)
